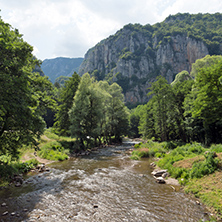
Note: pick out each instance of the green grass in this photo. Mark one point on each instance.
(199, 171)
(15, 168)
(53, 150)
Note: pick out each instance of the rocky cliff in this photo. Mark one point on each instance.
(137, 54)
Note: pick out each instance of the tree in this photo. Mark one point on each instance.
(182, 86)
(85, 112)
(117, 114)
(182, 76)
(162, 96)
(98, 110)
(135, 117)
(205, 62)
(146, 124)
(208, 100)
(21, 101)
(65, 99)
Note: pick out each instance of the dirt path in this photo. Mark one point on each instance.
(29, 156)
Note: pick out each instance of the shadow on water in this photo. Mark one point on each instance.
(20, 201)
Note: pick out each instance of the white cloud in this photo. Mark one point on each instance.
(70, 27)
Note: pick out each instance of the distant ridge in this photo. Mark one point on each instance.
(60, 66)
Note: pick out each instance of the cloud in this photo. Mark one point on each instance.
(70, 27)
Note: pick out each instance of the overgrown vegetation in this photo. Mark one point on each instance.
(196, 167)
(10, 168)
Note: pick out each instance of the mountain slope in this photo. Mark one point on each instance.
(136, 54)
(60, 67)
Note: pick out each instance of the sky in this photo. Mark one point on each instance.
(68, 28)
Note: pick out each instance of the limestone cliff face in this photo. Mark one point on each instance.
(134, 58)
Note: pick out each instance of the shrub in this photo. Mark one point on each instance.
(204, 168)
(53, 151)
(140, 153)
(216, 148)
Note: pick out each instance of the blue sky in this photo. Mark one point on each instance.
(69, 28)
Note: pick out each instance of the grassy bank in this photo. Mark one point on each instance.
(198, 169)
(51, 147)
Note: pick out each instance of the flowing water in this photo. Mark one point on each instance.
(105, 186)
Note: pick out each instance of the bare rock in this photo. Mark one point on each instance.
(4, 205)
(160, 180)
(158, 173)
(5, 213)
(153, 164)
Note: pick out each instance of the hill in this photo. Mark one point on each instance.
(137, 54)
(61, 66)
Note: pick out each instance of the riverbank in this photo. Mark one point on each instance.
(198, 169)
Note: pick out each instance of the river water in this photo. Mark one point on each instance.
(105, 186)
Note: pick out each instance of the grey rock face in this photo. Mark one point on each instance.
(134, 59)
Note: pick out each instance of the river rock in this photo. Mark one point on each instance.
(5, 213)
(153, 164)
(18, 180)
(41, 167)
(158, 173)
(164, 175)
(4, 205)
(13, 214)
(141, 175)
(160, 180)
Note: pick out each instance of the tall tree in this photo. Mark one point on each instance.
(162, 96)
(117, 115)
(85, 113)
(65, 99)
(21, 101)
(208, 102)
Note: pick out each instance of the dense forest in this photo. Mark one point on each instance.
(188, 109)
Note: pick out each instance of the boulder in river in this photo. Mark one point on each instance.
(158, 173)
(17, 180)
(160, 180)
(5, 213)
(153, 164)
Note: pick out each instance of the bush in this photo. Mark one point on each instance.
(140, 153)
(204, 168)
(53, 151)
(216, 148)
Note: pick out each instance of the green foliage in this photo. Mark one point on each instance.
(205, 99)
(66, 97)
(53, 151)
(198, 170)
(216, 148)
(24, 95)
(204, 168)
(98, 110)
(182, 76)
(139, 153)
(134, 118)
(206, 27)
(7, 170)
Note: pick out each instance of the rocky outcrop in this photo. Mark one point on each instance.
(134, 57)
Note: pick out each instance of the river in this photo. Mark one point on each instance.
(104, 186)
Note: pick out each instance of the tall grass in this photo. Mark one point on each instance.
(53, 150)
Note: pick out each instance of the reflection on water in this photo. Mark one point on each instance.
(105, 186)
